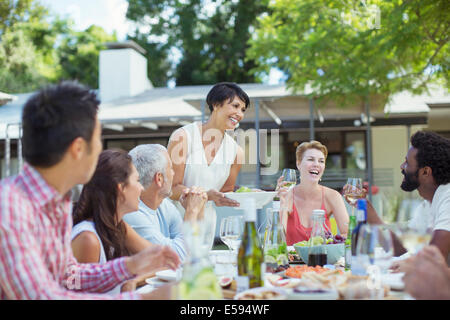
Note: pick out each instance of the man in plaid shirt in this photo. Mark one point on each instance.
(61, 143)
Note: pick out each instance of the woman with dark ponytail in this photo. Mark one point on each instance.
(99, 233)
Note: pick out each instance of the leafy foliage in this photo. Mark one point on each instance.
(79, 54)
(37, 48)
(349, 49)
(27, 56)
(210, 36)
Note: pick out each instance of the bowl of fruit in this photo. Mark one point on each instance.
(335, 246)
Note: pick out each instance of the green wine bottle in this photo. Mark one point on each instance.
(348, 242)
(250, 260)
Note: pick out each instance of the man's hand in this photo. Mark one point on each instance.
(221, 200)
(348, 189)
(152, 259)
(193, 201)
(427, 275)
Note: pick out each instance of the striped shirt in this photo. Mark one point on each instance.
(36, 259)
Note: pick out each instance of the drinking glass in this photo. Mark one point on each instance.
(413, 239)
(353, 190)
(234, 229)
(374, 252)
(289, 177)
(375, 246)
(223, 233)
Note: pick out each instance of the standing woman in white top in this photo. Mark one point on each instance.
(203, 155)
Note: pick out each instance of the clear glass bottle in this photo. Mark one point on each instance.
(275, 247)
(198, 282)
(317, 251)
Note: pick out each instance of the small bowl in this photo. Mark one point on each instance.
(334, 252)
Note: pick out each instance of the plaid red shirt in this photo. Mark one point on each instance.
(36, 259)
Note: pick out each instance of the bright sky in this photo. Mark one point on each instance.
(110, 15)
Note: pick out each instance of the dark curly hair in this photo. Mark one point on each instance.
(433, 151)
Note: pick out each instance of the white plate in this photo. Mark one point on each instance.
(155, 282)
(169, 275)
(281, 294)
(261, 198)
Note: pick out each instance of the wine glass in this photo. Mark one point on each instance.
(223, 233)
(353, 190)
(234, 232)
(234, 228)
(374, 252)
(289, 178)
(412, 238)
(375, 243)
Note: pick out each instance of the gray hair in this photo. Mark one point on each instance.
(149, 160)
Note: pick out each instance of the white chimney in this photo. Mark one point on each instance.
(122, 71)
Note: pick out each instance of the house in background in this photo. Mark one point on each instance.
(134, 112)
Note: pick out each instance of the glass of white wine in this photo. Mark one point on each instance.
(353, 190)
(413, 239)
(289, 178)
(233, 234)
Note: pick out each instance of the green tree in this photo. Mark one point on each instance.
(16, 11)
(37, 47)
(211, 37)
(78, 54)
(28, 33)
(19, 63)
(347, 50)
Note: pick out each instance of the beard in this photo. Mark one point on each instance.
(166, 190)
(410, 183)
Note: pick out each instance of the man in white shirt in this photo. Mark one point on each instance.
(427, 169)
(158, 220)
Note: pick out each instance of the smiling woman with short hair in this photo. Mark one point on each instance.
(203, 155)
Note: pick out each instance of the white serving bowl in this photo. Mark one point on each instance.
(261, 198)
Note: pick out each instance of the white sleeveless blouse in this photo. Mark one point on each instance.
(90, 226)
(198, 173)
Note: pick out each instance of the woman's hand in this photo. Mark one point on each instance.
(152, 259)
(221, 200)
(286, 196)
(281, 183)
(136, 282)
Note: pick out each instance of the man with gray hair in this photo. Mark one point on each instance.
(158, 220)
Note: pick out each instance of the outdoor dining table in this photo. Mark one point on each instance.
(220, 259)
(223, 266)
